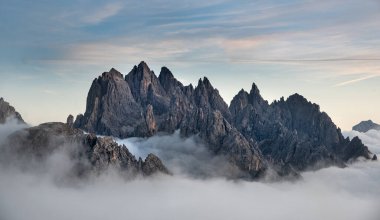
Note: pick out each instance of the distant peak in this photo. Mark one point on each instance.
(143, 65)
(166, 73)
(205, 82)
(254, 89)
(365, 126)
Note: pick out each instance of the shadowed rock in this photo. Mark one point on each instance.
(8, 111)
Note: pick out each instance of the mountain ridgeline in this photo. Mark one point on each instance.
(288, 136)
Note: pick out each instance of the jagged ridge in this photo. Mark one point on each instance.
(88, 154)
(290, 135)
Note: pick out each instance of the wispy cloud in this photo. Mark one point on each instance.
(348, 82)
(49, 92)
(103, 13)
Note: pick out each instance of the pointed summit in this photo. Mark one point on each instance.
(139, 79)
(165, 73)
(254, 90)
(207, 97)
(168, 82)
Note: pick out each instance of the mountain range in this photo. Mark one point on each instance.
(287, 136)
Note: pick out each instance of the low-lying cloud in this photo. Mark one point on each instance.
(333, 193)
(370, 138)
(182, 156)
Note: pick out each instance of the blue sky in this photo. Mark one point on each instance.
(328, 51)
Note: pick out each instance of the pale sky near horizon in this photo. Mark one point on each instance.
(327, 51)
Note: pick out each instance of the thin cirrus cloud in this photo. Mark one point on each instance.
(325, 43)
(103, 13)
(345, 83)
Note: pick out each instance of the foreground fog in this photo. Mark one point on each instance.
(333, 193)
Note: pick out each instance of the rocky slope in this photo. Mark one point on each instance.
(7, 111)
(288, 135)
(293, 133)
(86, 153)
(365, 126)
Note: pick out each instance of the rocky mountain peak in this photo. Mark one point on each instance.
(254, 90)
(239, 102)
(365, 126)
(207, 97)
(139, 80)
(112, 74)
(7, 111)
(167, 80)
(205, 82)
(165, 74)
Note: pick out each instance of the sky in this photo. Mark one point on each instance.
(328, 51)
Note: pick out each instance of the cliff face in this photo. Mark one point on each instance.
(111, 108)
(289, 135)
(7, 111)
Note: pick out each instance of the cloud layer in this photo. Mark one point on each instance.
(371, 138)
(333, 193)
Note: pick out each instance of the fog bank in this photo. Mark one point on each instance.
(352, 193)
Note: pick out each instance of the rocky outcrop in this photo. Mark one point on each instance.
(289, 135)
(365, 126)
(87, 153)
(8, 111)
(152, 165)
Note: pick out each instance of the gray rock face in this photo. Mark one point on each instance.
(70, 121)
(290, 135)
(111, 108)
(293, 133)
(365, 126)
(88, 153)
(7, 111)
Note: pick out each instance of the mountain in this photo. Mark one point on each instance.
(86, 153)
(293, 132)
(288, 136)
(7, 111)
(365, 126)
